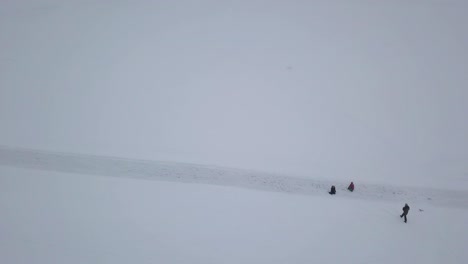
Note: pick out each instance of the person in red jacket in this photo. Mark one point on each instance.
(351, 187)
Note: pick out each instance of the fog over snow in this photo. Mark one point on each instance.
(350, 90)
(211, 131)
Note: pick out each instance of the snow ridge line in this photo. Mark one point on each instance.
(192, 173)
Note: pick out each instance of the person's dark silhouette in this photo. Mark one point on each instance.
(405, 211)
(351, 187)
(333, 190)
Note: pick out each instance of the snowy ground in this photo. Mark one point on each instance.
(339, 88)
(194, 173)
(60, 217)
(369, 91)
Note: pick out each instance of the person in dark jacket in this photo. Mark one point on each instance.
(333, 190)
(351, 187)
(405, 211)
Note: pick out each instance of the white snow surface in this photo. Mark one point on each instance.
(56, 208)
(333, 88)
(296, 95)
(195, 173)
(52, 217)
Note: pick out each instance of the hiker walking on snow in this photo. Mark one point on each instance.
(351, 187)
(405, 211)
(333, 190)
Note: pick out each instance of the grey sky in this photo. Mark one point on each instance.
(371, 90)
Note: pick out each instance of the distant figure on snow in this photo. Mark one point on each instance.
(351, 187)
(405, 211)
(333, 190)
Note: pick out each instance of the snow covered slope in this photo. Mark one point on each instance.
(55, 217)
(369, 90)
(193, 173)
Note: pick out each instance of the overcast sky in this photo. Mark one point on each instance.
(355, 89)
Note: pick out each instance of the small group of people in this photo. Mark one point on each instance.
(351, 189)
(333, 189)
